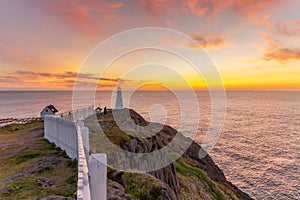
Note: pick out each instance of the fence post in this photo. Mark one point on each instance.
(97, 171)
(85, 140)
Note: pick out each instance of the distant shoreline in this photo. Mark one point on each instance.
(8, 121)
(196, 89)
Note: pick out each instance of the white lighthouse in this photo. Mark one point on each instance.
(119, 100)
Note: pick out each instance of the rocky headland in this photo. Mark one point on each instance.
(31, 166)
(189, 177)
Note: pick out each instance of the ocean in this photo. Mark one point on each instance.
(258, 149)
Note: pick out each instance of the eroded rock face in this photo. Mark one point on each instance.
(170, 182)
(167, 176)
(206, 163)
(115, 191)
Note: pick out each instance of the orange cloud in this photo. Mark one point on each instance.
(277, 49)
(85, 15)
(76, 15)
(106, 10)
(288, 28)
(60, 80)
(75, 11)
(251, 8)
(207, 43)
(115, 5)
(282, 55)
(9, 52)
(62, 75)
(195, 6)
(155, 6)
(247, 8)
(279, 52)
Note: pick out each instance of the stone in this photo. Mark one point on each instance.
(6, 188)
(115, 191)
(45, 182)
(55, 198)
(45, 163)
(132, 145)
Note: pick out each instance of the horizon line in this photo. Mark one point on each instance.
(110, 90)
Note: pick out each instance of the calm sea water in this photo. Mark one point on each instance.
(258, 149)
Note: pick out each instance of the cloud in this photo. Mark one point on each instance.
(211, 8)
(63, 75)
(252, 8)
(85, 15)
(207, 43)
(9, 52)
(107, 9)
(76, 15)
(155, 6)
(280, 40)
(282, 55)
(287, 28)
(22, 78)
(278, 51)
(115, 5)
(62, 79)
(199, 8)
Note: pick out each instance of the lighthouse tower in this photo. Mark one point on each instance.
(119, 100)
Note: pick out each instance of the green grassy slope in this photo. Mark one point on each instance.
(22, 148)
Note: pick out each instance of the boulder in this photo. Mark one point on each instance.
(115, 191)
(45, 182)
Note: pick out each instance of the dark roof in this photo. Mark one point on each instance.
(98, 108)
(52, 108)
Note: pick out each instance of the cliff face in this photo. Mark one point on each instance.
(167, 174)
(188, 177)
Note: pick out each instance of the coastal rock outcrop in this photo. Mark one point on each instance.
(172, 182)
(115, 191)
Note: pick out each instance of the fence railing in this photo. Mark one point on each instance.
(67, 131)
(79, 114)
(62, 133)
(83, 185)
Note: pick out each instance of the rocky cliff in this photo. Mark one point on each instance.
(189, 177)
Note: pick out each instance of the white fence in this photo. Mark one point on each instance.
(83, 187)
(68, 132)
(79, 114)
(62, 133)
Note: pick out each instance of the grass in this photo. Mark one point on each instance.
(142, 186)
(21, 149)
(188, 171)
(15, 128)
(27, 187)
(23, 157)
(98, 141)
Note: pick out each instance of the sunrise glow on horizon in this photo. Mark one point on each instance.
(254, 44)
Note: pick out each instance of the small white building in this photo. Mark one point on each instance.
(48, 110)
(98, 110)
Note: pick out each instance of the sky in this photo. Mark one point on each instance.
(253, 44)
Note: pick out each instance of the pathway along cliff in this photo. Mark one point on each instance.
(189, 177)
